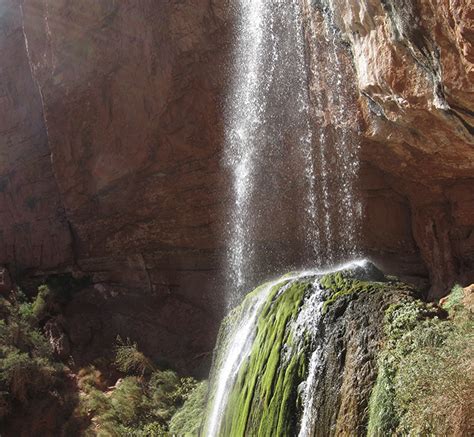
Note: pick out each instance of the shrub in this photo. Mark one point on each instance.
(26, 368)
(435, 384)
(128, 359)
(42, 303)
(90, 377)
(24, 376)
(188, 419)
(137, 405)
(454, 299)
(426, 379)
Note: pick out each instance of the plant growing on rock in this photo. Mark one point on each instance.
(426, 378)
(27, 369)
(188, 419)
(129, 359)
(139, 405)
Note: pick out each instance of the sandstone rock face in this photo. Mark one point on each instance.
(34, 232)
(130, 99)
(127, 99)
(414, 70)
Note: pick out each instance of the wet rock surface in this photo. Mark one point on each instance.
(353, 333)
(346, 333)
(413, 69)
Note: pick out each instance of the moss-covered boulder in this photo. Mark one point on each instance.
(334, 320)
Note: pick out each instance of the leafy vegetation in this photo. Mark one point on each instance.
(128, 359)
(141, 404)
(27, 368)
(426, 380)
(454, 300)
(138, 405)
(188, 419)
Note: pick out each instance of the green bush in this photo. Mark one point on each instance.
(54, 294)
(454, 300)
(42, 303)
(128, 359)
(24, 376)
(425, 380)
(27, 369)
(188, 419)
(138, 405)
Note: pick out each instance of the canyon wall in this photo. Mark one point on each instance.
(414, 69)
(34, 231)
(111, 134)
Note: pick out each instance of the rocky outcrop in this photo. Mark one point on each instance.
(312, 364)
(414, 69)
(131, 116)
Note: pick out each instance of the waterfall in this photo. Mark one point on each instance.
(304, 339)
(268, 127)
(280, 128)
(239, 346)
(338, 144)
(308, 322)
(287, 120)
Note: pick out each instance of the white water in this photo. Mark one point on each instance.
(241, 341)
(288, 109)
(239, 347)
(338, 146)
(308, 321)
(268, 106)
(276, 113)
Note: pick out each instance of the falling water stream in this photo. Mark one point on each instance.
(241, 338)
(239, 348)
(287, 116)
(268, 125)
(276, 113)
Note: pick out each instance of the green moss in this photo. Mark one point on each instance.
(340, 284)
(264, 394)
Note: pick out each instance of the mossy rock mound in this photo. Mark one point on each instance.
(265, 397)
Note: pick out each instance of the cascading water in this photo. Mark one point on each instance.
(268, 127)
(308, 321)
(239, 346)
(238, 350)
(279, 121)
(326, 68)
(280, 125)
(283, 322)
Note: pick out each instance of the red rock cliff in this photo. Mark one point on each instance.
(414, 69)
(126, 98)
